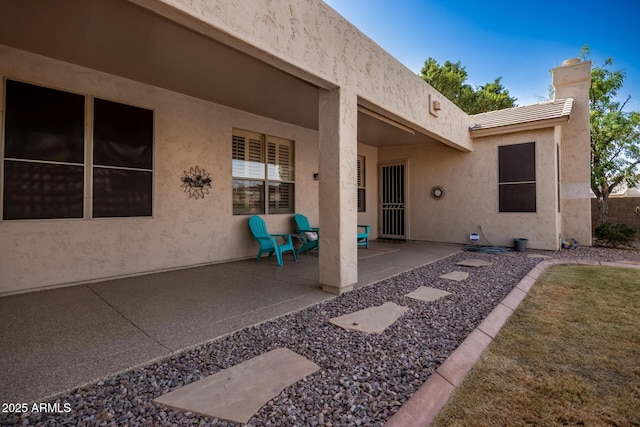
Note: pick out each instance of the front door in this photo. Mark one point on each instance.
(393, 196)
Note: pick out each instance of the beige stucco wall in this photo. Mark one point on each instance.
(557, 135)
(183, 231)
(573, 80)
(470, 183)
(309, 39)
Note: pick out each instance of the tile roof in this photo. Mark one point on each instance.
(529, 116)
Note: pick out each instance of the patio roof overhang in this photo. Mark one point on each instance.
(175, 51)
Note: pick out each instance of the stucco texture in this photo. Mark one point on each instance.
(183, 231)
(309, 39)
(312, 44)
(470, 183)
(574, 80)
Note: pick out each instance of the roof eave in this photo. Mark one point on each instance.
(518, 127)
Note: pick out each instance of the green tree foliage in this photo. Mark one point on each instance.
(615, 135)
(450, 79)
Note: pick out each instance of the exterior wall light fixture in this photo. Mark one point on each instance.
(437, 192)
(434, 106)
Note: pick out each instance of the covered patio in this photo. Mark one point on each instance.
(204, 78)
(62, 338)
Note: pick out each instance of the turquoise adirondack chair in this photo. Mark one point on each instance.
(269, 242)
(304, 228)
(363, 236)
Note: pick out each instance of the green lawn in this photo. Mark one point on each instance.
(570, 355)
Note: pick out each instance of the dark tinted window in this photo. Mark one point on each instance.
(122, 135)
(43, 124)
(517, 177)
(122, 138)
(42, 190)
(517, 162)
(518, 197)
(121, 193)
(44, 171)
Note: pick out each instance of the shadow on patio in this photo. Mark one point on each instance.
(58, 339)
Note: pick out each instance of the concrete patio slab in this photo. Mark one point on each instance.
(371, 252)
(180, 308)
(237, 393)
(61, 338)
(372, 320)
(67, 337)
(474, 263)
(425, 293)
(456, 276)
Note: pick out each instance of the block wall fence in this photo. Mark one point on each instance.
(621, 210)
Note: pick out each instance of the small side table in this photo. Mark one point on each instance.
(303, 241)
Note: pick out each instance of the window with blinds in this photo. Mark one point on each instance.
(362, 199)
(263, 174)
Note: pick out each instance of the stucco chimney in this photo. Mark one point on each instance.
(569, 80)
(571, 61)
(573, 80)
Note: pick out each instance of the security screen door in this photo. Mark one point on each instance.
(393, 195)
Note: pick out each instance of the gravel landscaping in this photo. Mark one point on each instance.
(364, 378)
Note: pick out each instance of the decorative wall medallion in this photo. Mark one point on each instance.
(636, 210)
(437, 192)
(196, 182)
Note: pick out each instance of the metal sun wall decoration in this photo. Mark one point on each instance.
(196, 182)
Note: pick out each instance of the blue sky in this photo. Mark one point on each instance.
(520, 41)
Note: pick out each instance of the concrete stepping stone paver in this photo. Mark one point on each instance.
(474, 263)
(425, 293)
(237, 393)
(457, 276)
(372, 320)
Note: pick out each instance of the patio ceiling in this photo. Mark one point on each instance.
(120, 38)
